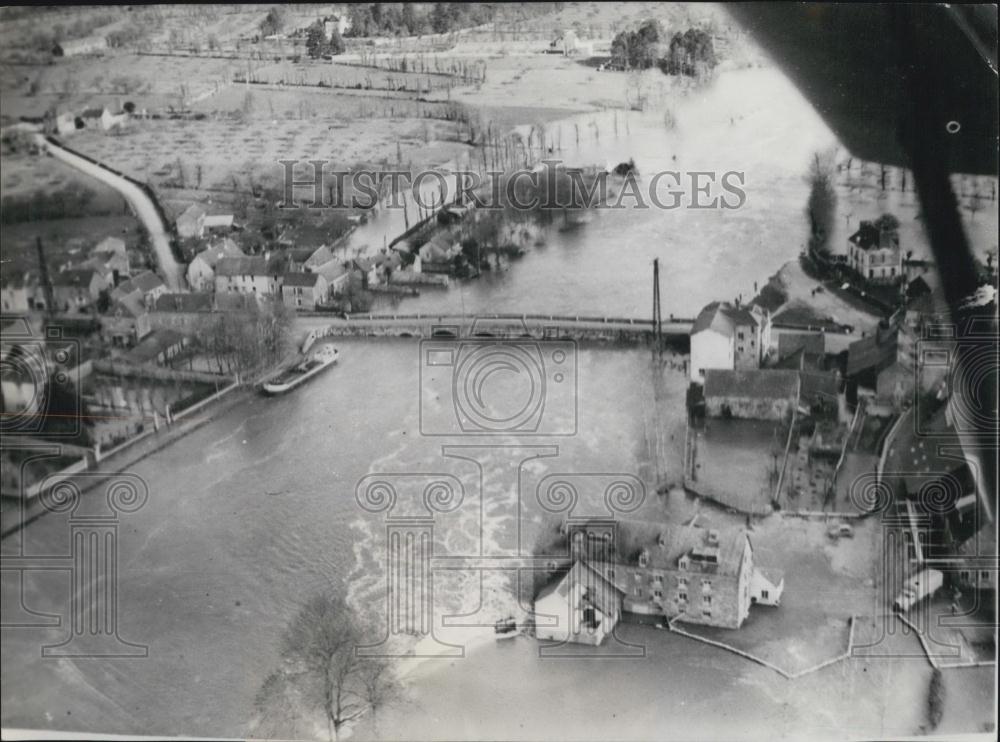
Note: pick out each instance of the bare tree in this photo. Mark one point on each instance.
(322, 669)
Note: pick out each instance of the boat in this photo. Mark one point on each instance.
(290, 378)
(505, 628)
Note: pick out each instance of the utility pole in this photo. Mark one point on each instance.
(657, 316)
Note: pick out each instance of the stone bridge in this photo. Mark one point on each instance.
(580, 327)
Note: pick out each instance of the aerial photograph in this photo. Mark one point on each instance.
(499, 371)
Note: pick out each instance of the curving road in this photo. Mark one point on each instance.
(143, 207)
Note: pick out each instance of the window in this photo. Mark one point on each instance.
(682, 583)
(984, 575)
(964, 574)
(638, 591)
(763, 594)
(658, 594)
(706, 586)
(611, 574)
(658, 580)
(706, 600)
(682, 597)
(706, 613)
(740, 349)
(739, 335)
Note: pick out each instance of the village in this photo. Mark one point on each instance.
(812, 491)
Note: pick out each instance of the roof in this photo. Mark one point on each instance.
(824, 386)
(772, 575)
(597, 591)
(74, 277)
(363, 264)
(153, 344)
(193, 302)
(299, 254)
(224, 249)
(219, 220)
(724, 318)
(144, 282)
(877, 351)
(244, 266)
(192, 213)
(130, 304)
(665, 543)
(917, 287)
(301, 279)
(84, 43)
(869, 236)
(810, 342)
(755, 383)
(92, 113)
(320, 257)
(110, 244)
(332, 271)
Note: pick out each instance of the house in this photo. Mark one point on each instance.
(304, 290)
(255, 275)
(437, 254)
(159, 347)
(819, 391)
(339, 22)
(126, 322)
(725, 336)
(336, 275)
(693, 574)
(875, 254)
(90, 118)
(296, 258)
(16, 292)
(219, 222)
(77, 288)
(581, 606)
(884, 361)
(65, 123)
(147, 285)
(191, 223)
(977, 568)
(387, 263)
(321, 258)
(201, 270)
(111, 256)
(79, 47)
(754, 394)
(187, 313)
(767, 586)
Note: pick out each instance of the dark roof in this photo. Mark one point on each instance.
(819, 386)
(878, 351)
(74, 277)
(754, 383)
(665, 543)
(917, 287)
(193, 302)
(144, 282)
(723, 317)
(869, 236)
(813, 343)
(153, 344)
(301, 279)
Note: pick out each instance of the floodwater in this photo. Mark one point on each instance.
(752, 122)
(255, 512)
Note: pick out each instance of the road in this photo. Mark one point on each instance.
(143, 207)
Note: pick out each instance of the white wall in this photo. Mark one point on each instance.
(710, 349)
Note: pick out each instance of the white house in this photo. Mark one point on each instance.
(766, 586)
(191, 223)
(729, 337)
(257, 275)
(875, 254)
(201, 270)
(581, 607)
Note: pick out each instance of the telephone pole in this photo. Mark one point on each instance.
(657, 317)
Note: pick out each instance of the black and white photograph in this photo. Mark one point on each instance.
(499, 371)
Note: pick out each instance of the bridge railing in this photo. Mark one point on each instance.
(514, 317)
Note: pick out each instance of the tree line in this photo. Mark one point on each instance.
(691, 53)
